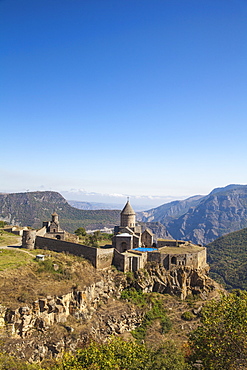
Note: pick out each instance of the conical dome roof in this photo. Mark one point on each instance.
(128, 210)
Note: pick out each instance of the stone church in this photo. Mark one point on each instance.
(129, 234)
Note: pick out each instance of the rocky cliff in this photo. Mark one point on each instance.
(53, 324)
(169, 211)
(222, 211)
(203, 219)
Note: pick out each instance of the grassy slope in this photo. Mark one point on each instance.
(23, 279)
(8, 239)
(227, 257)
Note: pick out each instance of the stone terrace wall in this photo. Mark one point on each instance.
(62, 246)
(100, 258)
(120, 261)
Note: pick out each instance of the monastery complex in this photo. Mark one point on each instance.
(132, 247)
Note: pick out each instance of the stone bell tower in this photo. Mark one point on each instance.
(54, 218)
(128, 216)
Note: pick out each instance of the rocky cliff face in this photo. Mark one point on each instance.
(51, 325)
(169, 211)
(182, 281)
(79, 304)
(219, 213)
(203, 219)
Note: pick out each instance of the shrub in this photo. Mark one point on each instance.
(188, 316)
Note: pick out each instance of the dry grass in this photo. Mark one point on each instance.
(11, 259)
(25, 279)
(8, 238)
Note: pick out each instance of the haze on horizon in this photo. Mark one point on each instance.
(106, 98)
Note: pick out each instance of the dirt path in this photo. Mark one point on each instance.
(16, 247)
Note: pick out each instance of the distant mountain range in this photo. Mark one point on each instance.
(97, 205)
(202, 219)
(93, 205)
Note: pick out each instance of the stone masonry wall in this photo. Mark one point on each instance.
(100, 258)
(89, 253)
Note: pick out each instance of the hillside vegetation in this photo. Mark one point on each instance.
(32, 208)
(8, 239)
(200, 219)
(23, 279)
(227, 257)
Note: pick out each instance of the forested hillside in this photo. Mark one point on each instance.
(227, 257)
(32, 208)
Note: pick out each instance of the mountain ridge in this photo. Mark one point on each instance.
(32, 208)
(202, 219)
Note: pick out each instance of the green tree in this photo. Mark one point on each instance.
(81, 231)
(118, 354)
(221, 341)
(8, 362)
(114, 355)
(3, 223)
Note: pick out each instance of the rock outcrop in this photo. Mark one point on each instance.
(51, 325)
(182, 281)
(81, 304)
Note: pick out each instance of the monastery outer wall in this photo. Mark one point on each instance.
(15, 230)
(104, 257)
(120, 261)
(195, 260)
(41, 232)
(100, 258)
(202, 258)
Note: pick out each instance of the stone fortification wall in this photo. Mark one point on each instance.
(169, 243)
(169, 261)
(120, 261)
(15, 230)
(202, 258)
(104, 257)
(41, 232)
(100, 258)
(28, 239)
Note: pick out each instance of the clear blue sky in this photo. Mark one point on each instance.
(137, 97)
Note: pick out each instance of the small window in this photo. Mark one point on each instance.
(123, 247)
(58, 237)
(174, 260)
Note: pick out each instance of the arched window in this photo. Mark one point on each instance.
(123, 247)
(58, 236)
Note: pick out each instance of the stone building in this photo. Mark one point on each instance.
(131, 249)
(53, 228)
(129, 234)
(135, 247)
